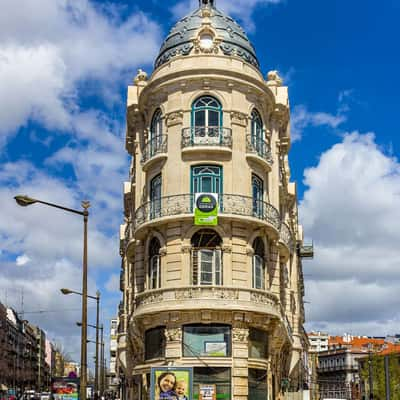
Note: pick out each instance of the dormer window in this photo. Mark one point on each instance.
(206, 41)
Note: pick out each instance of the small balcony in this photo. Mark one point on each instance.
(231, 206)
(210, 139)
(154, 150)
(258, 150)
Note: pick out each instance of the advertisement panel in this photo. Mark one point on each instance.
(65, 388)
(206, 209)
(171, 383)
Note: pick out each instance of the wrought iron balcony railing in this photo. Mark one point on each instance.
(206, 136)
(259, 147)
(154, 146)
(286, 237)
(228, 204)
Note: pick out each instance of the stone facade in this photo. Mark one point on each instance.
(208, 121)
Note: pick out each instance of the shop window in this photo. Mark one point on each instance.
(258, 343)
(257, 384)
(155, 343)
(206, 258)
(206, 341)
(220, 377)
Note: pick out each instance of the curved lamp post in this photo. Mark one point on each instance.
(25, 201)
(66, 291)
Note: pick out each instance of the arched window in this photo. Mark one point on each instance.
(258, 264)
(155, 197)
(206, 179)
(256, 126)
(206, 258)
(258, 195)
(154, 267)
(206, 120)
(156, 132)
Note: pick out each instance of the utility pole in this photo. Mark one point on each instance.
(387, 377)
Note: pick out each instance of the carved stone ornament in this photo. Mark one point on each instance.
(140, 77)
(239, 118)
(174, 118)
(173, 334)
(240, 335)
(273, 79)
(226, 248)
(199, 48)
(186, 248)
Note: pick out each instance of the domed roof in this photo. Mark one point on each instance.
(230, 37)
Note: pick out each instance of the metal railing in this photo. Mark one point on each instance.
(286, 237)
(259, 147)
(228, 204)
(206, 136)
(154, 146)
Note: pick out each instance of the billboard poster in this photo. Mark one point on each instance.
(65, 388)
(207, 392)
(206, 209)
(171, 383)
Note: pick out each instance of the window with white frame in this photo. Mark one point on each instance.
(258, 264)
(206, 258)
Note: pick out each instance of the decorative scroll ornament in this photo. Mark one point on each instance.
(173, 334)
(239, 118)
(240, 335)
(174, 118)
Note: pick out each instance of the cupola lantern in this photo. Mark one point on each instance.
(207, 3)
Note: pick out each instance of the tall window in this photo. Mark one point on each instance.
(257, 132)
(156, 131)
(206, 258)
(258, 343)
(258, 389)
(155, 343)
(154, 269)
(207, 179)
(206, 120)
(155, 197)
(258, 264)
(258, 195)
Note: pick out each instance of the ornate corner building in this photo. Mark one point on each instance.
(227, 299)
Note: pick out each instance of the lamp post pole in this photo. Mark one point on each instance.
(27, 201)
(96, 375)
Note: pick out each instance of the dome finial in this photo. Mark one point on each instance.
(207, 3)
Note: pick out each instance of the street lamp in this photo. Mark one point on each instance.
(97, 298)
(25, 201)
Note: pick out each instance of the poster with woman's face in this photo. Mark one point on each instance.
(171, 383)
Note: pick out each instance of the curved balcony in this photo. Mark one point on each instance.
(154, 150)
(258, 150)
(286, 238)
(200, 297)
(230, 205)
(216, 139)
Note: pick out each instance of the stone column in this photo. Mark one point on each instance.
(240, 352)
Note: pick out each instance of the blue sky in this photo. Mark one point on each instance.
(64, 70)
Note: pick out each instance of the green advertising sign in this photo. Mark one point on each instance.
(206, 209)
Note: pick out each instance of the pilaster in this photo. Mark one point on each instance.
(240, 352)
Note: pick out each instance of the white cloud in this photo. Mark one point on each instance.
(46, 53)
(241, 9)
(22, 260)
(301, 118)
(350, 209)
